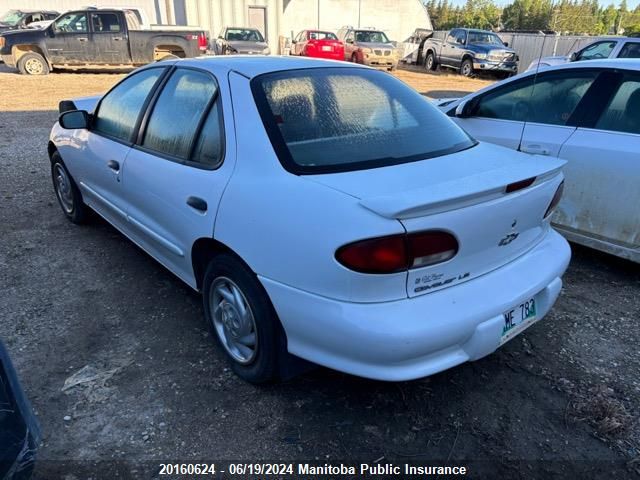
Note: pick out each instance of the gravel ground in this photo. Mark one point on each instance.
(84, 303)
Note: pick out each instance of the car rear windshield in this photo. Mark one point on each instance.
(322, 36)
(339, 119)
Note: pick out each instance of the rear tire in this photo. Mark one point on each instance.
(67, 193)
(243, 320)
(354, 58)
(33, 64)
(466, 69)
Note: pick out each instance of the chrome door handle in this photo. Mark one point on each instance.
(83, 39)
(117, 39)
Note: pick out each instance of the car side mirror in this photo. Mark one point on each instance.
(465, 108)
(574, 57)
(349, 40)
(74, 119)
(506, 44)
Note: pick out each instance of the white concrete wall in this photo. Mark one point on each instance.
(398, 18)
(213, 15)
(155, 10)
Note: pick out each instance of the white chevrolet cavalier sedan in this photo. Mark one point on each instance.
(326, 212)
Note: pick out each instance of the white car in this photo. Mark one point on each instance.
(587, 113)
(363, 232)
(616, 47)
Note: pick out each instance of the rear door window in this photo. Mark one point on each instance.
(105, 23)
(630, 50)
(623, 111)
(119, 110)
(177, 114)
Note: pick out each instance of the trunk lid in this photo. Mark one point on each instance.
(463, 194)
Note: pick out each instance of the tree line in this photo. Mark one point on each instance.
(563, 16)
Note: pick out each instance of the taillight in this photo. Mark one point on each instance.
(202, 41)
(555, 200)
(376, 255)
(515, 186)
(396, 253)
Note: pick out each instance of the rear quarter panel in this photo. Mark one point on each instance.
(142, 43)
(288, 227)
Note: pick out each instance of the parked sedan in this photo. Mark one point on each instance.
(367, 233)
(587, 113)
(240, 40)
(318, 44)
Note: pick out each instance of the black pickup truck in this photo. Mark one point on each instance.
(468, 51)
(95, 39)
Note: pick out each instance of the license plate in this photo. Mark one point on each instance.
(326, 48)
(518, 319)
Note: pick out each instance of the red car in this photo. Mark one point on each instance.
(318, 44)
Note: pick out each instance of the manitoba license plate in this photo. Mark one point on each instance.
(517, 319)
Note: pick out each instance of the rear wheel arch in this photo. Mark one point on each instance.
(203, 251)
(161, 51)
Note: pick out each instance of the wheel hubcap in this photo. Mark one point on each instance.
(33, 66)
(63, 188)
(233, 320)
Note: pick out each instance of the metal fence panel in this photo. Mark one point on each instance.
(531, 46)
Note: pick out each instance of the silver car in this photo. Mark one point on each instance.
(241, 40)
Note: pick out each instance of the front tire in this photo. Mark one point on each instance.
(67, 193)
(242, 319)
(354, 58)
(33, 64)
(466, 69)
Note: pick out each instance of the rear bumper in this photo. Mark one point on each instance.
(420, 336)
(326, 55)
(511, 67)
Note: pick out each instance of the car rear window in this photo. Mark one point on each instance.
(340, 119)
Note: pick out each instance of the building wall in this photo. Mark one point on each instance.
(398, 18)
(213, 15)
(156, 10)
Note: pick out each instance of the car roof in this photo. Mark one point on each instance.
(623, 63)
(253, 65)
